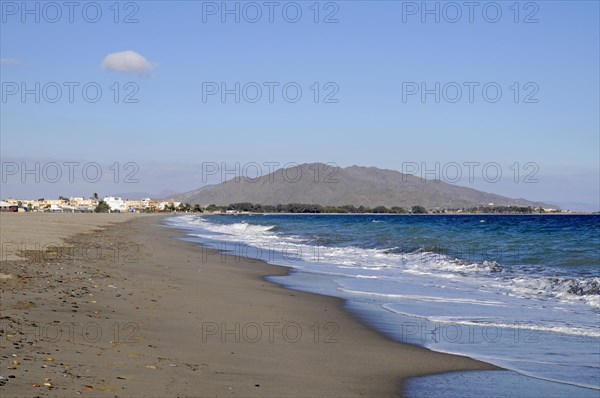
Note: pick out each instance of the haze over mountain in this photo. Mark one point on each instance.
(317, 183)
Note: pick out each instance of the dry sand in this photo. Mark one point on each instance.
(35, 231)
(127, 311)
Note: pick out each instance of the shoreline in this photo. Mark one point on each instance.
(185, 320)
(397, 214)
(283, 271)
(385, 327)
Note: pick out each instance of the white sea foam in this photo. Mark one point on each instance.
(471, 283)
(440, 289)
(489, 322)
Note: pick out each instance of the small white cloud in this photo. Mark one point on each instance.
(10, 61)
(128, 62)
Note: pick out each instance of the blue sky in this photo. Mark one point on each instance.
(370, 57)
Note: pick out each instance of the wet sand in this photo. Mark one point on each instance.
(125, 310)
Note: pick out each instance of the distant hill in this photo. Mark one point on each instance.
(165, 193)
(578, 206)
(188, 197)
(317, 183)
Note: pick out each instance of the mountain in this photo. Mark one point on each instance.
(579, 206)
(189, 197)
(317, 183)
(165, 193)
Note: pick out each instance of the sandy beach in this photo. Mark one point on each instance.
(120, 308)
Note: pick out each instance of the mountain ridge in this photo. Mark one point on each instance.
(326, 185)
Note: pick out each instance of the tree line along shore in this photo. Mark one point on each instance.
(301, 208)
(117, 205)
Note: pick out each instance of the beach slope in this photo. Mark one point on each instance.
(122, 308)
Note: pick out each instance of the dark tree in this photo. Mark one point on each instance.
(418, 210)
(102, 207)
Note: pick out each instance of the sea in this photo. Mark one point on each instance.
(518, 291)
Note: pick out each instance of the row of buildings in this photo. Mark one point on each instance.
(78, 205)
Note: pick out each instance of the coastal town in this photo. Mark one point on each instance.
(112, 204)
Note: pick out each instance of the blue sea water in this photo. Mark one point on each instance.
(521, 292)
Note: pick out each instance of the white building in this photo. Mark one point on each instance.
(115, 203)
(54, 209)
(5, 206)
